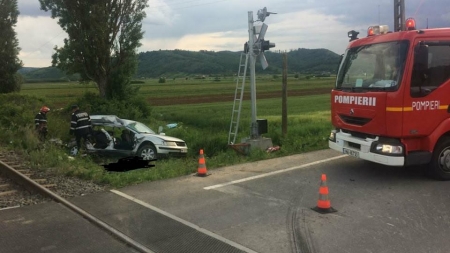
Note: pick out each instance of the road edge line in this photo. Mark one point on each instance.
(273, 173)
(185, 222)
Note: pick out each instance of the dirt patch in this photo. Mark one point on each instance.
(229, 98)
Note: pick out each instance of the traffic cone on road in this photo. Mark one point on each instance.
(201, 171)
(324, 204)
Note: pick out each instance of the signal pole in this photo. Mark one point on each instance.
(256, 47)
(399, 15)
(251, 41)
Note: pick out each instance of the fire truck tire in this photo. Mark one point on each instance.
(440, 162)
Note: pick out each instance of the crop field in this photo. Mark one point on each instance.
(182, 91)
(202, 110)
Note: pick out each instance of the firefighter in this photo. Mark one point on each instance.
(40, 122)
(80, 126)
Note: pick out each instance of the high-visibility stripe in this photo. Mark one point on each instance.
(82, 119)
(82, 127)
(398, 109)
(410, 109)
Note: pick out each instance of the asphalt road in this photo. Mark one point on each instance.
(380, 209)
(257, 207)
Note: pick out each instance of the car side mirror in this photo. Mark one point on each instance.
(160, 130)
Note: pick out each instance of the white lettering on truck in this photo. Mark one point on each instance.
(355, 100)
(426, 105)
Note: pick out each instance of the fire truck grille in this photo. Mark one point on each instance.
(354, 120)
(358, 134)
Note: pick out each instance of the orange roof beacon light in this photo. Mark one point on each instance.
(410, 24)
(377, 30)
(370, 31)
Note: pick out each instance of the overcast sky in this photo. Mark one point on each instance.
(219, 25)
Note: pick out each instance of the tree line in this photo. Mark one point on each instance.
(183, 63)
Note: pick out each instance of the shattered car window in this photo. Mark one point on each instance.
(140, 128)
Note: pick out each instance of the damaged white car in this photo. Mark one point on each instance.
(117, 137)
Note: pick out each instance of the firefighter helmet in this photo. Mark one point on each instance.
(44, 109)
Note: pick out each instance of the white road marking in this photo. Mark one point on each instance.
(274, 172)
(9, 207)
(187, 223)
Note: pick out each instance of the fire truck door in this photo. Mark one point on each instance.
(425, 104)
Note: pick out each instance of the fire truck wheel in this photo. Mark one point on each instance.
(440, 163)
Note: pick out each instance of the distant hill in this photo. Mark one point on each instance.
(181, 62)
(177, 63)
(26, 70)
(46, 74)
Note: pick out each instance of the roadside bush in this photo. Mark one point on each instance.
(17, 120)
(135, 108)
(18, 109)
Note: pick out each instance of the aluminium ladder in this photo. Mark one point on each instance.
(238, 97)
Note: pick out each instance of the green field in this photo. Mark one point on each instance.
(59, 93)
(203, 125)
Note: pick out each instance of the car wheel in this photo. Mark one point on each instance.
(73, 151)
(440, 162)
(147, 152)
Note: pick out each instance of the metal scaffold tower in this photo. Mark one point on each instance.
(238, 97)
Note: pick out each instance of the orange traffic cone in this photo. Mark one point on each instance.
(323, 204)
(202, 171)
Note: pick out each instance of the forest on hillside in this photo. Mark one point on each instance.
(183, 63)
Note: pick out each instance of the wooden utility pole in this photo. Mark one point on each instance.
(284, 98)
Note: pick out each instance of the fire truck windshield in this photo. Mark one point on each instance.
(373, 67)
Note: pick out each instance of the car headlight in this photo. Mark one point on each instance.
(332, 136)
(170, 143)
(389, 149)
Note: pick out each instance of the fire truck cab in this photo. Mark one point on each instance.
(391, 101)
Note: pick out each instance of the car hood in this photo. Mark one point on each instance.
(164, 137)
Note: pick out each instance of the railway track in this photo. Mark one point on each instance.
(16, 188)
(21, 185)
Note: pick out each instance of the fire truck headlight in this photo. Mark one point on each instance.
(389, 149)
(332, 136)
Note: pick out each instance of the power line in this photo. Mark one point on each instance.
(418, 7)
(45, 43)
(154, 9)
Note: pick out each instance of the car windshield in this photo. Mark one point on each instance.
(140, 128)
(373, 67)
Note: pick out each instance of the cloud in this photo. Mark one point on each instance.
(315, 31)
(159, 14)
(222, 24)
(446, 17)
(31, 8)
(37, 36)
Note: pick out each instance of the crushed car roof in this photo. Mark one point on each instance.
(107, 120)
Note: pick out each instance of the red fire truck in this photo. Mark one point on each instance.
(391, 102)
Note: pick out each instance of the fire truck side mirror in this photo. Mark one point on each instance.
(421, 56)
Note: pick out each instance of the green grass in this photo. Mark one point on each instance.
(203, 126)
